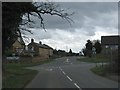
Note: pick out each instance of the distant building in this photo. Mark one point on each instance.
(40, 49)
(33, 47)
(18, 46)
(47, 50)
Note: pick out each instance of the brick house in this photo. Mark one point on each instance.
(41, 50)
(33, 47)
(18, 46)
(45, 50)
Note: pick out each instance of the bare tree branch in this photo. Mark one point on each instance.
(27, 30)
(51, 9)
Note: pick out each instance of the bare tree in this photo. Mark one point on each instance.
(13, 21)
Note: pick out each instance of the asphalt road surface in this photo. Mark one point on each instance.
(67, 72)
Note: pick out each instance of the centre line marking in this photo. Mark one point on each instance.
(63, 72)
(69, 78)
(60, 68)
(77, 85)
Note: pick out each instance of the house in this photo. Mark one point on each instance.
(39, 49)
(33, 47)
(109, 43)
(18, 46)
(45, 51)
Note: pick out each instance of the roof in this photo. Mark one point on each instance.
(20, 40)
(46, 46)
(41, 45)
(110, 40)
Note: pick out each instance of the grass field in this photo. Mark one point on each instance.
(16, 76)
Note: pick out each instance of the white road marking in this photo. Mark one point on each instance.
(67, 60)
(51, 69)
(77, 85)
(60, 68)
(69, 78)
(63, 72)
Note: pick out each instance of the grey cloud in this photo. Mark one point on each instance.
(81, 9)
(89, 18)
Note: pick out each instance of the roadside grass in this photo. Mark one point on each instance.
(16, 76)
(94, 59)
(105, 72)
(101, 70)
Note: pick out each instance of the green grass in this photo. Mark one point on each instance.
(94, 59)
(99, 70)
(106, 72)
(16, 76)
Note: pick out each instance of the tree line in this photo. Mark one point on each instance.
(92, 47)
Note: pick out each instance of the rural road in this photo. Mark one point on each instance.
(67, 72)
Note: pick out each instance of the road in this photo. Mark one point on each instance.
(67, 72)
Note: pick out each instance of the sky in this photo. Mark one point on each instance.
(91, 21)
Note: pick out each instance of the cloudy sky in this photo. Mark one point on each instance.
(91, 21)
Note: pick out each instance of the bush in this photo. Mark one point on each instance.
(8, 53)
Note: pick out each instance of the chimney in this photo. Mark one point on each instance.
(32, 40)
(40, 42)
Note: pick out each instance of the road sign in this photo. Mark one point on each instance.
(94, 50)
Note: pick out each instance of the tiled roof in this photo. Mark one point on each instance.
(44, 46)
(41, 45)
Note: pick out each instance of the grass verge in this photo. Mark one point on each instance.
(105, 72)
(101, 70)
(16, 76)
(94, 59)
